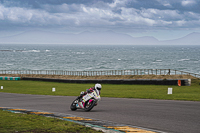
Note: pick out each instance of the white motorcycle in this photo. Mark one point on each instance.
(87, 102)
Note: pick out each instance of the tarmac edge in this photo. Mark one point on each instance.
(104, 126)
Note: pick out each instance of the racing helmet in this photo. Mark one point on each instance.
(98, 86)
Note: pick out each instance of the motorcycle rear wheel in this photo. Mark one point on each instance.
(89, 106)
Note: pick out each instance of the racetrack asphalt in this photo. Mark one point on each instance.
(162, 115)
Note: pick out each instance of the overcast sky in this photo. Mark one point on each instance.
(163, 19)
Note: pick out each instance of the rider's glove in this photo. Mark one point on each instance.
(88, 91)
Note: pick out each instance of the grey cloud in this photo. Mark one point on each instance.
(180, 5)
(38, 3)
(137, 4)
(184, 5)
(109, 14)
(64, 8)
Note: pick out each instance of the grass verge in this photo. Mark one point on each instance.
(189, 93)
(11, 122)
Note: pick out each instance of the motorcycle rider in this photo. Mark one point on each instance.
(87, 101)
(97, 86)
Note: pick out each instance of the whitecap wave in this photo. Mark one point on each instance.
(9, 64)
(157, 61)
(36, 51)
(184, 60)
(78, 53)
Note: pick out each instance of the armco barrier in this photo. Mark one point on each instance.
(184, 82)
(9, 78)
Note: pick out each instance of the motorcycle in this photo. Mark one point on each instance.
(87, 102)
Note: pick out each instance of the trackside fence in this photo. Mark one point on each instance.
(101, 73)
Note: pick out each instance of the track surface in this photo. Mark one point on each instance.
(163, 115)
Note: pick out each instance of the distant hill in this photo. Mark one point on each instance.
(190, 39)
(109, 37)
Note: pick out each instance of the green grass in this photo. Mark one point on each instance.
(190, 93)
(12, 123)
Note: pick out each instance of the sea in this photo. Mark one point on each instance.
(76, 57)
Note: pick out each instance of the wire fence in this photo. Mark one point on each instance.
(101, 73)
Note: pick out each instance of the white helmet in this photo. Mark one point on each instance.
(97, 86)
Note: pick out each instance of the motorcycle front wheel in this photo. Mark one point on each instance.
(73, 105)
(89, 105)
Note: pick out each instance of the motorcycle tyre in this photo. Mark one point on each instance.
(91, 106)
(73, 106)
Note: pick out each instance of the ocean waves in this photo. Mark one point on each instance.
(99, 57)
